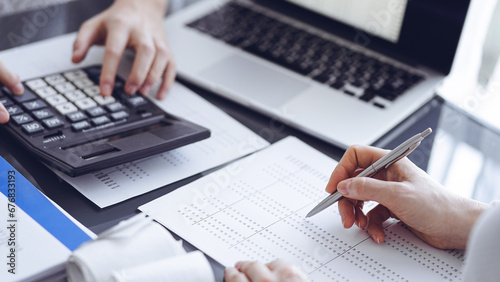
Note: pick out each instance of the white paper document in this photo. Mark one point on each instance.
(230, 140)
(254, 209)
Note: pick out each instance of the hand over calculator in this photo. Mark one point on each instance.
(65, 121)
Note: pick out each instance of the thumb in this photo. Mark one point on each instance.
(4, 114)
(386, 193)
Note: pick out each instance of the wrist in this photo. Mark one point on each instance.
(470, 211)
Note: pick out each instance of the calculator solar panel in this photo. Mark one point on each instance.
(68, 124)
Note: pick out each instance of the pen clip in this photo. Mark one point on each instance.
(406, 153)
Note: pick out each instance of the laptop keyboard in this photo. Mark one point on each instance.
(325, 61)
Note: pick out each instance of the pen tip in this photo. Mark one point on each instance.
(311, 213)
(426, 132)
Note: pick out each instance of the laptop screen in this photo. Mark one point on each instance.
(423, 32)
(382, 18)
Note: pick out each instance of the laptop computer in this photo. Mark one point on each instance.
(346, 71)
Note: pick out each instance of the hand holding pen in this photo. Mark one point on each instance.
(384, 162)
(403, 191)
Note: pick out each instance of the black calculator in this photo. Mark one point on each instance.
(65, 121)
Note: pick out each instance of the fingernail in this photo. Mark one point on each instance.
(106, 89)
(18, 88)
(343, 187)
(131, 89)
(238, 264)
(343, 220)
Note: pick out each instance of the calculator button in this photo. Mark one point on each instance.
(79, 126)
(100, 120)
(56, 100)
(42, 114)
(6, 102)
(136, 101)
(92, 91)
(64, 87)
(75, 95)
(82, 83)
(53, 122)
(32, 128)
(86, 103)
(75, 75)
(96, 111)
(34, 105)
(76, 116)
(66, 108)
(115, 107)
(45, 92)
(14, 110)
(22, 119)
(25, 97)
(101, 100)
(36, 83)
(55, 79)
(119, 115)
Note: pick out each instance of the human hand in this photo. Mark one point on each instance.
(12, 82)
(277, 270)
(130, 24)
(405, 192)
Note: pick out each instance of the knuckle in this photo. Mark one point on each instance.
(134, 79)
(149, 82)
(287, 273)
(359, 186)
(154, 75)
(173, 67)
(116, 21)
(113, 51)
(231, 275)
(267, 279)
(355, 148)
(162, 49)
(350, 150)
(147, 48)
(171, 70)
(253, 264)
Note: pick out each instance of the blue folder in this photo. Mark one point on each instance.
(39, 208)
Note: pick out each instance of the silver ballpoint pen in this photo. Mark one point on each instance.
(393, 156)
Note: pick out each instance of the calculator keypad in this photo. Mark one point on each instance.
(70, 100)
